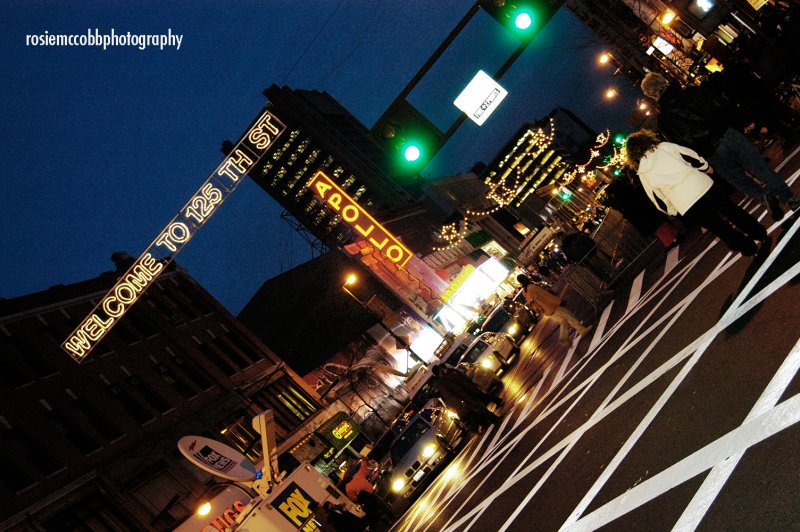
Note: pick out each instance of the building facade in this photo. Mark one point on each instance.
(93, 446)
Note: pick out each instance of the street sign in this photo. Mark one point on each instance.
(480, 97)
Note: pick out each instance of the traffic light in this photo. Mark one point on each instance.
(522, 18)
(410, 139)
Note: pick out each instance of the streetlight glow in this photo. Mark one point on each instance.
(351, 279)
(668, 17)
(611, 93)
(604, 58)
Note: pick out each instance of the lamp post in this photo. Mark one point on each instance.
(401, 342)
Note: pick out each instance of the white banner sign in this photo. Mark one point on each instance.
(200, 207)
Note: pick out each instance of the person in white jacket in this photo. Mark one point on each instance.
(673, 178)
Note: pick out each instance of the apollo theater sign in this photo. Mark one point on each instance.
(359, 219)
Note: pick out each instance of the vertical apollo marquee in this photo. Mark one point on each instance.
(200, 207)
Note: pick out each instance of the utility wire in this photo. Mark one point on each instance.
(312, 41)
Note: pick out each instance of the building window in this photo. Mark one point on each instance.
(171, 378)
(134, 409)
(240, 435)
(98, 421)
(216, 359)
(66, 426)
(289, 403)
(26, 450)
(244, 346)
(14, 368)
(195, 374)
(93, 512)
(146, 392)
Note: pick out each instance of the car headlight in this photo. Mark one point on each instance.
(513, 329)
(487, 363)
(398, 485)
(429, 450)
(451, 414)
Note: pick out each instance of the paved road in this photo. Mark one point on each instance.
(679, 411)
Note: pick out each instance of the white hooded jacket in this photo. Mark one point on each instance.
(668, 172)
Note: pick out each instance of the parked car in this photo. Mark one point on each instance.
(485, 379)
(512, 317)
(414, 454)
(495, 351)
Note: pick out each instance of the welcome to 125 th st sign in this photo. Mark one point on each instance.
(200, 207)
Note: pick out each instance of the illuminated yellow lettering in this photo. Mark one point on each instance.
(236, 162)
(139, 277)
(296, 507)
(78, 343)
(353, 214)
(259, 134)
(377, 244)
(115, 312)
(151, 264)
(364, 232)
(394, 253)
(95, 327)
(322, 188)
(125, 293)
(335, 201)
(175, 233)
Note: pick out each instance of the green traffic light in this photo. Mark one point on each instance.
(523, 20)
(412, 153)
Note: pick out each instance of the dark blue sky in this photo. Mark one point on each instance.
(101, 148)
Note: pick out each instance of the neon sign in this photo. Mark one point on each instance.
(359, 219)
(200, 207)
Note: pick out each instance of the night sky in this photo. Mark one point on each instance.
(102, 147)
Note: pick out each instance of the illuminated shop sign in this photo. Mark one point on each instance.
(465, 303)
(359, 219)
(339, 430)
(200, 207)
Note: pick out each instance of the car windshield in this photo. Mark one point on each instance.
(497, 320)
(475, 351)
(409, 438)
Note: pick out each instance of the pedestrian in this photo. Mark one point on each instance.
(548, 304)
(704, 121)
(673, 178)
(361, 478)
(580, 248)
(463, 396)
(626, 195)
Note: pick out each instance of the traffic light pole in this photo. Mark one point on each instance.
(438, 53)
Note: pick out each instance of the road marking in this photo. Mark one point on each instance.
(735, 309)
(787, 159)
(714, 482)
(600, 328)
(671, 260)
(754, 431)
(636, 291)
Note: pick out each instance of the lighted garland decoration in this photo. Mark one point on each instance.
(501, 193)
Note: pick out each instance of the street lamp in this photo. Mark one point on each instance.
(611, 94)
(351, 280)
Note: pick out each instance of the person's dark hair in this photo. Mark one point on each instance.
(653, 85)
(638, 144)
(523, 279)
